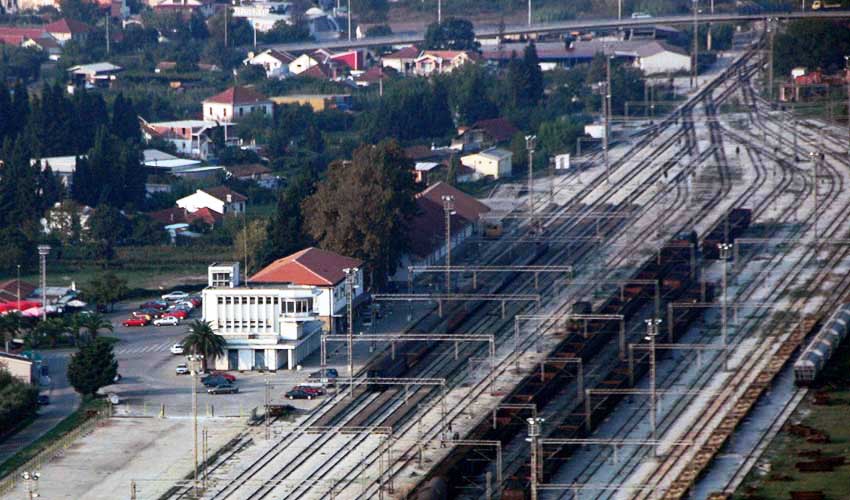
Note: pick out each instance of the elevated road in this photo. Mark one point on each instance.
(559, 27)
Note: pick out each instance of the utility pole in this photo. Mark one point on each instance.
(195, 360)
(107, 33)
(815, 156)
(724, 322)
(619, 10)
(448, 210)
(349, 20)
(530, 144)
(19, 287)
(770, 33)
(226, 8)
(847, 82)
(439, 11)
(43, 251)
(651, 333)
(708, 34)
(350, 275)
(534, 438)
(696, 45)
(529, 12)
(607, 99)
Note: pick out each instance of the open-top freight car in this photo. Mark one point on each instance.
(822, 347)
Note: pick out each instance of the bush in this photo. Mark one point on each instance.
(18, 401)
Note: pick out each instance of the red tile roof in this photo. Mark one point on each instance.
(221, 192)
(321, 71)
(177, 215)
(411, 52)
(68, 26)
(9, 290)
(428, 228)
(240, 171)
(237, 95)
(311, 267)
(500, 129)
(15, 36)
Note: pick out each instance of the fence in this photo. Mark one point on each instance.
(10, 482)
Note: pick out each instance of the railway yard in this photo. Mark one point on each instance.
(606, 343)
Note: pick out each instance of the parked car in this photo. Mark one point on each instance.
(195, 300)
(142, 321)
(154, 304)
(177, 349)
(182, 369)
(167, 321)
(213, 381)
(315, 391)
(227, 376)
(43, 400)
(185, 304)
(117, 378)
(142, 314)
(298, 394)
(179, 313)
(175, 296)
(223, 389)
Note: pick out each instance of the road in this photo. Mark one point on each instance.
(557, 27)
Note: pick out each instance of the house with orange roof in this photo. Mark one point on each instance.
(65, 30)
(235, 103)
(275, 320)
(442, 61)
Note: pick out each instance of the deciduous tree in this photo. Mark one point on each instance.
(92, 367)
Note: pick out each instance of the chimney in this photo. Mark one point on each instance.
(229, 198)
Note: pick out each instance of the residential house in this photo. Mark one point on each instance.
(372, 76)
(263, 15)
(191, 138)
(485, 134)
(62, 166)
(804, 85)
(353, 59)
(101, 74)
(46, 44)
(260, 174)
(403, 61)
(180, 216)
(185, 7)
(274, 62)
(160, 162)
(65, 30)
(221, 199)
(493, 162)
(442, 61)
(319, 102)
(427, 231)
(20, 367)
(66, 220)
(12, 290)
(12, 35)
(235, 103)
(322, 273)
(223, 275)
(304, 62)
(165, 66)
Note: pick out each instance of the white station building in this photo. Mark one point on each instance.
(276, 320)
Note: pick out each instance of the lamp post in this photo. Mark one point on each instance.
(43, 251)
(814, 155)
(19, 286)
(724, 249)
(448, 210)
(530, 144)
(195, 361)
(696, 45)
(349, 20)
(608, 102)
(440, 11)
(847, 82)
(31, 478)
(651, 333)
(533, 438)
(350, 274)
(529, 12)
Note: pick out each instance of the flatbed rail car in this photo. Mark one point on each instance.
(540, 390)
(732, 226)
(822, 347)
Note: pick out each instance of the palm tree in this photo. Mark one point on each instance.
(201, 339)
(94, 322)
(75, 324)
(50, 329)
(10, 327)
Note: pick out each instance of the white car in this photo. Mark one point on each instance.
(177, 349)
(167, 321)
(182, 369)
(175, 296)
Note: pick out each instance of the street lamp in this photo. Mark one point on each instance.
(814, 155)
(530, 144)
(449, 210)
(31, 479)
(696, 44)
(43, 251)
(651, 333)
(195, 361)
(847, 82)
(533, 438)
(350, 274)
(724, 249)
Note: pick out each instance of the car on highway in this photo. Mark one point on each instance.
(223, 389)
(141, 321)
(175, 296)
(182, 369)
(213, 381)
(298, 394)
(177, 349)
(167, 321)
(43, 399)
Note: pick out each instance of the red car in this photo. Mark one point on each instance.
(177, 314)
(135, 322)
(224, 375)
(314, 391)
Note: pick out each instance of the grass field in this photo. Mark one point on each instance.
(782, 477)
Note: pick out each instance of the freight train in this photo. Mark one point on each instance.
(732, 226)
(822, 347)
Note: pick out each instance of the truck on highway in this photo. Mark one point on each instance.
(824, 4)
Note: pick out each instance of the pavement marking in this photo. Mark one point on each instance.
(147, 348)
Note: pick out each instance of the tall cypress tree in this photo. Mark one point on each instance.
(534, 91)
(6, 112)
(125, 121)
